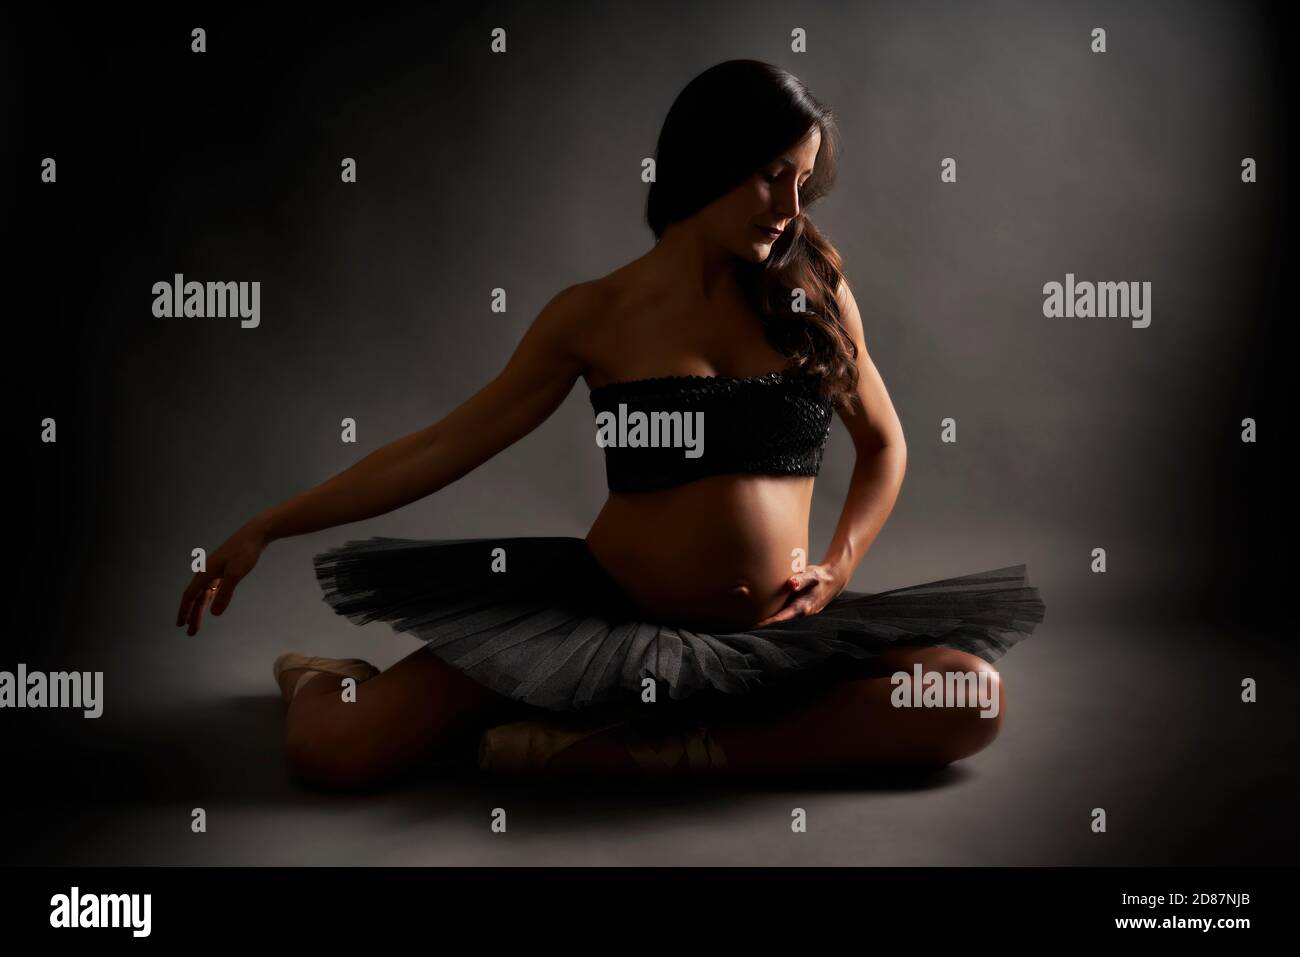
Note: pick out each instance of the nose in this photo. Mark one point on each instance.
(786, 202)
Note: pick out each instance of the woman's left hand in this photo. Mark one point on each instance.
(810, 591)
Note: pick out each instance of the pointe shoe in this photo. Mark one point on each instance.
(530, 745)
(659, 751)
(316, 664)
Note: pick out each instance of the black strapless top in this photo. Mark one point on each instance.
(772, 424)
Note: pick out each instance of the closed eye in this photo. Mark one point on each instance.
(773, 178)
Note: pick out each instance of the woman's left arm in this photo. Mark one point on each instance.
(877, 477)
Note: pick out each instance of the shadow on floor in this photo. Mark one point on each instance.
(232, 752)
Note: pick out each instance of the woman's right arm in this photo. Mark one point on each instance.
(533, 384)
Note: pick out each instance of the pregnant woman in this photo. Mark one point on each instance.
(688, 632)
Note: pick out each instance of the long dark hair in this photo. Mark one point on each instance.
(725, 124)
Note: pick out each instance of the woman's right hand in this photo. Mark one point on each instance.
(540, 373)
(226, 567)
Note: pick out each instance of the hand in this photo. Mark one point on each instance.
(226, 567)
(810, 591)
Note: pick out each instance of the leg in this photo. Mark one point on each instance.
(851, 725)
(401, 718)
(854, 724)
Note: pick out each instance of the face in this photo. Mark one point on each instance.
(751, 218)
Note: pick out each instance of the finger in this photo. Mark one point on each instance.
(801, 608)
(224, 595)
(801, 583)
(187, 608)
(196, 613)
(774, 617)
(193, 592)
(192, 615)
(783, 614)
(187, 599)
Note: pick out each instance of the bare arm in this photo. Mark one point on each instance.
(877, 477)
(535, 381)
(881, 456)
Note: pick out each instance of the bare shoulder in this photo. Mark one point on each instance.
(576, 320)
(570, 309)
(564, 325)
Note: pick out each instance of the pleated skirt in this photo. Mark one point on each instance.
(538, 620)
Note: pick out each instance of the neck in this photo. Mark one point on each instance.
(689, 259)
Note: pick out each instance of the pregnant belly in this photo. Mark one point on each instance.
(713, 554)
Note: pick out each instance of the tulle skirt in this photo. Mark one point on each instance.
(539, 621)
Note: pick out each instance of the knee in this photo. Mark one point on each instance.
(970, 711)
(974, 707)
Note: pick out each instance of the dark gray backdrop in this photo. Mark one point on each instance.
(522, 171)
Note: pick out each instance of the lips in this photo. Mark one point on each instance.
(774, 233)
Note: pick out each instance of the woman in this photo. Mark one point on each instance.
(687, 631)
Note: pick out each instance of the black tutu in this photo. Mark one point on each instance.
(555, 632)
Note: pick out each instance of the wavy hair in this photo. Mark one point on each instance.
(727, 123)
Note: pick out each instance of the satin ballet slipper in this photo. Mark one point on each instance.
(314, 665)
(531, 744)
(659, 752)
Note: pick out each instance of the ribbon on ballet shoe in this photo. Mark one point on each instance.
(529, 744)
(658, 751)
(312, 665)
(703, 750)
(655, 753)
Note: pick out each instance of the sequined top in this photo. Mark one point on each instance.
(664, 431)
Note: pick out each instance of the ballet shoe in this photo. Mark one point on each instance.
(662, 751)
(530, 745)
(316, 664)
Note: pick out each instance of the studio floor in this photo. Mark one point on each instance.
(1148, 726)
